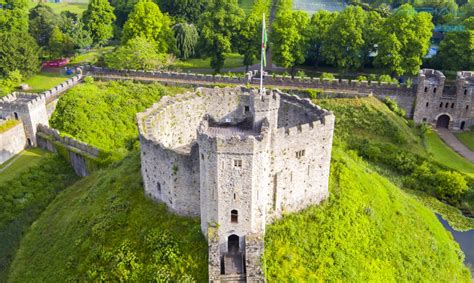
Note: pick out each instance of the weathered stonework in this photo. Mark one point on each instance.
(239, 160)
(12, 141)
(442, 105)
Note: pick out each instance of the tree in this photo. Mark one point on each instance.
(345, 40)
(450, 185)
(60, 45)
(8, 84)
(137, 53)
(456, 50)
(74, 28)
(186, 37)
(188, 10)
(220, 25)
(15, 17)
(42, 20)
(371, 34)
(146, 20)
(404, 41)
(318, 34)
(18, 51)
(250, 33)
(289, 38)
(99, 18)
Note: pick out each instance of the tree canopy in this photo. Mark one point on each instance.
(99, 18)
(220, 26)
(18, 51)
(42, 20)
(187, 37)
(147, 21)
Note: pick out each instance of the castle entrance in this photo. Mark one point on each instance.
(443, 121)
(233, 261)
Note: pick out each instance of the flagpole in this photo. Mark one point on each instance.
(263, 54)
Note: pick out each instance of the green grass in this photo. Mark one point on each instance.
(90, 56)
(232, 60)
(440, 152)
(20, 162)
(45, 81)
(77, 8)
(103, 228)
(467, 138)
(8, 125)
(368, 231)
(31, 184)
(103, 113)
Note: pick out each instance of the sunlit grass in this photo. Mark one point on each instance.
(46, 80)
(467, 138)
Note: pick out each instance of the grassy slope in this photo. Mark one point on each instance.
(22, 161)
(369, 230)
(104, 228)
(440, 152)
(467, 138)
(231, 61)
(45, 80)
(24, 194)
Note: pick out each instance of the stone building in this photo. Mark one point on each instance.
(239, 160)
(443, 105)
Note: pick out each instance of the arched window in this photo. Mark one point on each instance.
(452, 105)
(234, 216)
(427, 104)
(465, 91)
(441, 105)
(434, 90)
(426, 89)
(16, 115)
(447, 104)
(467, 107)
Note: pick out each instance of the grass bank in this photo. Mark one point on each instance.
(46, 80)
(467, 138)
(103, 228)
(25, 191)
(368, 230)
(20, 162)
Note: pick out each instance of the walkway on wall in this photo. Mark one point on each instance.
(451, 140)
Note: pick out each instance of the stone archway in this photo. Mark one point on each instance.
(443, 121)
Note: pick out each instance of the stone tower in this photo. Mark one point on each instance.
(442, 105)
(239, 160)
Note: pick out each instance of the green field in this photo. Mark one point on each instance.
(22, 161)
(77, 8)
(467, 138)
(232, 60)
(440, 152)
(45, 80)
(104, 228)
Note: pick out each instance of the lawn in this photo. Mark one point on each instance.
(232, 60)
(443, 154)
(77, 8)
(90, 56)
(45, 81)
(467, 138)
(20, 162)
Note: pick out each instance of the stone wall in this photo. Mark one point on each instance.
(12, 141)
(83, 158)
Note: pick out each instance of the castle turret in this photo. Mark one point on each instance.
(430, 88)
(265, 106)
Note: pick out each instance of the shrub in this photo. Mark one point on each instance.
(386, 79)
(450, 186)
(362, 78)
(301, 74)
(392, 105)
(328, 76)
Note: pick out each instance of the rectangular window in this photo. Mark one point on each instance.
(465, 91)
(238, 163)
(247, 109)
(300, 153)
(426, 89)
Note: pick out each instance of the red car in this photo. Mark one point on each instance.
(56, 63)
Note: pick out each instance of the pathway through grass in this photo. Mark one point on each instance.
(443, 154)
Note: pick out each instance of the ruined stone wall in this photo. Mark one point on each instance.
(12, 141)
(83, 157)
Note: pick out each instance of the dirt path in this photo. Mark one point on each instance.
(451, 140)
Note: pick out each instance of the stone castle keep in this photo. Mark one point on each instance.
(238, 159)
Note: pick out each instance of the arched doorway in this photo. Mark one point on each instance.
(443, 121)
(233, 243)
(463, 124)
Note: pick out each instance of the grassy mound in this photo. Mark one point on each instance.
(467, 138)
(25, 192)
(103, 228)
(369, 230)
(103, 113)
